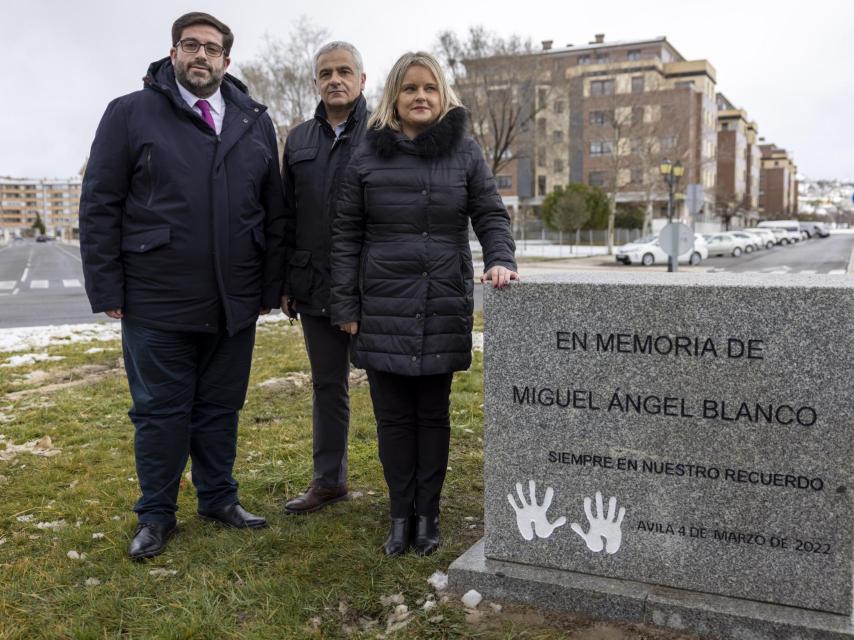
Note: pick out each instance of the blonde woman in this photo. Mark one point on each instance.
(402, 279)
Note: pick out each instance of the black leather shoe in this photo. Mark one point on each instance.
(427, 536)
(399, 537)
(234, 515)
(150, 539)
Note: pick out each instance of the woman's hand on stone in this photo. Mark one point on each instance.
(499, 276)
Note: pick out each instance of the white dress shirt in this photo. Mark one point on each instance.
(215, 101)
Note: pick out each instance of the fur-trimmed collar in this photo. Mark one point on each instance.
(439, 140)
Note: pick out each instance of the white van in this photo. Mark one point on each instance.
(792, 227)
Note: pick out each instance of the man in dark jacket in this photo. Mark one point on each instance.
(316, 153)
(181, 233)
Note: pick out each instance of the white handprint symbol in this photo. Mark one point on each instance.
(530, 517)
(607, 527)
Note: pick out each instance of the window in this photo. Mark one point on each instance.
(634, 54)
(558, 166)
(541, 157)
(601, 58)
(637, 176)
(559, 106)
(541, 127)
(636, 146)
(724, 126)
(596, 178)
(598, 118)
(542, 93)
(686, 84)
(637, 115)
(504, 182)
(668, 142)
(541, 185)
(601, 148)
(557, 136)
(637, 84)
(584, 60)
(602, 88)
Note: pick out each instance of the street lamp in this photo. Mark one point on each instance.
(671, 172)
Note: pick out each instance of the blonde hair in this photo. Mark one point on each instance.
(385, 115)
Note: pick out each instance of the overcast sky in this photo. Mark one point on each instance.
(789, 64)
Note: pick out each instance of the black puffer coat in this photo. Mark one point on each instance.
(401, 264)
(182, 228)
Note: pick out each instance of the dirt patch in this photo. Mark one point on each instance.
(299, 381)
(51, 381)
(42, 447)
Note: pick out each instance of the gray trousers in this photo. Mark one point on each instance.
(329, 355)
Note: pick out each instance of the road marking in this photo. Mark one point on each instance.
(70, 284)
(76, 256)
(26, 272)
(7, 285)
(836, 272)
(39, 284)
(15, 292)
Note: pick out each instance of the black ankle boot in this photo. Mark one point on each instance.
(399, 536)
(427, 536)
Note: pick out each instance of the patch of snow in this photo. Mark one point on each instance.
(25, 518)
(29, 358)
(98, 536)
(163, 573)
(439, 580)
(477, 340)
(396, 599)
(92, 582)
(28, 338)
(56, 525)
(471, 599)
(75, 555)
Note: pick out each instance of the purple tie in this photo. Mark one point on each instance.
(205, 106)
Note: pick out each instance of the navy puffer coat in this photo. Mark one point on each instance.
(180, 227)
(401, 264)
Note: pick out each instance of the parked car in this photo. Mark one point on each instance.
(766, 236)
(648, 251)
(814, 229)
(792, 228)
(753, 242)
(41, 238)
(725, 244)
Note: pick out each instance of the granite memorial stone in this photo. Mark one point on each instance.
(651, 435)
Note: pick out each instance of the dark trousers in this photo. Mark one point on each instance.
(329, 355)
(187, 390)
(414, 433)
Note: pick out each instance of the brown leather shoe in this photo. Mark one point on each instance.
(316, 497)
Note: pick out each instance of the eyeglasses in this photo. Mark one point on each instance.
(192, 46)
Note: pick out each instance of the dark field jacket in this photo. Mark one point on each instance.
(401, 264)
(180, 227)
(311, 170)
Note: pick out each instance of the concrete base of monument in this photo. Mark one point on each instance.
(622, 600)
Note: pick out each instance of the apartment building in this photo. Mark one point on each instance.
(778, 183)
(738, 164)
(607, 114)
(55, 202)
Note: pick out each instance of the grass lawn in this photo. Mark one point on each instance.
(65, 520)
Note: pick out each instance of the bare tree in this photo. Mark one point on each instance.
(497, 80)
(282, 76)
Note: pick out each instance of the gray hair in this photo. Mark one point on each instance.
(340, 44)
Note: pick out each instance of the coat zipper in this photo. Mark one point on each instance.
(150, 177)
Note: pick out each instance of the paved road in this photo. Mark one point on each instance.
(42, 284)
(819, 255)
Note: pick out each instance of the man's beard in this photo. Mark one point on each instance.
(194, 84)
